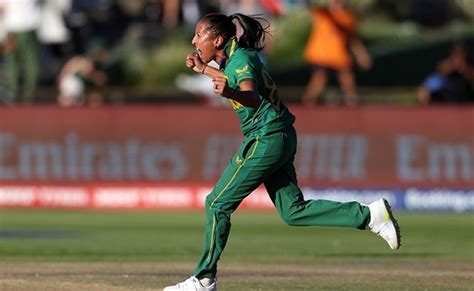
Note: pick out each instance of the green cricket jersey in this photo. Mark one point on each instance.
(272, 115)
(265, 156)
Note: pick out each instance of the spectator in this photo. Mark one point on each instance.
(244, 6)
(7, 44)
(177, 12)
(52, 30)
(327, 50)
(171, 9)
(452, 81)
(81, 79)
(21, 19)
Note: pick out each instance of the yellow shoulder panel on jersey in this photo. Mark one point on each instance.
(243, 70)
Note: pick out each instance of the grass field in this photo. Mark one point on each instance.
(82, 250)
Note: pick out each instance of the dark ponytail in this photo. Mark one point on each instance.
(253, 31)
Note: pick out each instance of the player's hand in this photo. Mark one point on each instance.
(194, 62)
(221, 87)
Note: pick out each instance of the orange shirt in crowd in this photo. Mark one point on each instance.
(328, 43)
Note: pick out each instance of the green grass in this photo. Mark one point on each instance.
(260, 237)
(88, 250)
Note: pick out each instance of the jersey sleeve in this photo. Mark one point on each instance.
(243, 69)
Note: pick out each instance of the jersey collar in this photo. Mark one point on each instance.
(229, 50)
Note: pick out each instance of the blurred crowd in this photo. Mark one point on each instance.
(70, 39)
(68, 44)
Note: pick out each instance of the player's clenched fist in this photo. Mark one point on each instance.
(194, 62)
(221, 87)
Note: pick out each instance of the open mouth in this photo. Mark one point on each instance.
(198, 52)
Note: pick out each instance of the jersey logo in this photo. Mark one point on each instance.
(243, 70)
(238, 160)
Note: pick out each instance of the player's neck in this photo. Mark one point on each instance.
(220, 56)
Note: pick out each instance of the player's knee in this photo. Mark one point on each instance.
(289, 218)
(208, 201)
(292, 216)
(218, 207)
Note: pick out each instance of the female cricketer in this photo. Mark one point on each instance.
(268, 150)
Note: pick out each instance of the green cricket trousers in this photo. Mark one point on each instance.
(267, 159)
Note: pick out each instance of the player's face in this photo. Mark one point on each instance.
(204, 42)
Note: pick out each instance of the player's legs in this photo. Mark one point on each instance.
(294, 210)
(256, 159)
(284, 192)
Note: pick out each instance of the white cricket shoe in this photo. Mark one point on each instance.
(384, 224)
(191, 284)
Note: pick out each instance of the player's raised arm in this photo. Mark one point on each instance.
(194, 62)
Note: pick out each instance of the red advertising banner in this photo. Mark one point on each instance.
(118, 196)
(365, 147)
